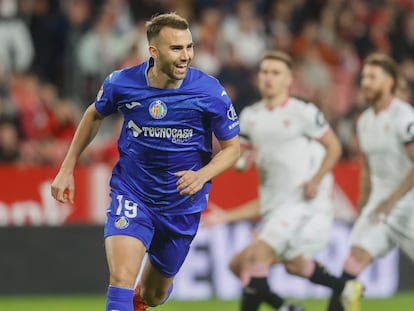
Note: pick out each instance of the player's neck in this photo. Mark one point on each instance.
(382, 103)
(160, 80)
(276, 101)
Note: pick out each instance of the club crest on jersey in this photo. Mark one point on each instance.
(122, 222)
(158, 109)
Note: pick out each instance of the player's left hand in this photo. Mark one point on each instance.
(310, 189)
(189, 182)
(381, 212)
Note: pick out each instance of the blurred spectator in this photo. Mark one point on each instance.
(9, 142)
(207, 37)
(403, 40)
(16, 48)
(47, 28)
(135, 41)
(237, 79)
(77, 14)
(310, 39)
(245, 32)
(407, 71)
(55, 54)
(100, 51)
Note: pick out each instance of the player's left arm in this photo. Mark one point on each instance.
(192, 181)
(386, 206)
(333, 152)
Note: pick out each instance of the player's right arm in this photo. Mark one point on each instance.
(364, 183)
(63, 186)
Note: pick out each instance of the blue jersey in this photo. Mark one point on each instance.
(165, 131)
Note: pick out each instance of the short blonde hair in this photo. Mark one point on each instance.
(388, 65)
(158, 22)
(280, 56)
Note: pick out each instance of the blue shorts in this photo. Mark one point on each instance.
(166, 238)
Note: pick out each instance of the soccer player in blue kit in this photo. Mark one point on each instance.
(161, 182)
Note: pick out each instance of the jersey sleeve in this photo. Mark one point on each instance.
(104, 101)
(244, 127)
(225, 122)
(315, 125)
(405, 126)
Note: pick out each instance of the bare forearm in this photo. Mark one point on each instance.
(247, 211)
(333, 153)
(86, 131)
(226, 158)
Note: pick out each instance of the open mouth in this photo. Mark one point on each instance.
(181, 68)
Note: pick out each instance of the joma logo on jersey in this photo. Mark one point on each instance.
(175, 135)
(158, 109)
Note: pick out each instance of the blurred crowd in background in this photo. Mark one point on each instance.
(54, 55)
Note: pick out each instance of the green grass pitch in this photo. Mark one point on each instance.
(401, 301)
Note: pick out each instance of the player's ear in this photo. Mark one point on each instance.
(152, 51)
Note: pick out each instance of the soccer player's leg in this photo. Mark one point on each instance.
(166, 254)
(153, 289)
(124, 256)
(127, 237)
(369, 240)
(252, 266)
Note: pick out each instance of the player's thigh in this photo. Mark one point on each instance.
(171, 241)
(256, 251)
(312, 236)
(401, 226)
(372, 237)
(236, 262)
(124, 256)
(153, 282)
(282, 225)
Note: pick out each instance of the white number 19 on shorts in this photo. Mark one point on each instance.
(127, 207)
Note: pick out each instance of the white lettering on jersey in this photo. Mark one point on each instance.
(231, 113)
(135, 129)
(132, 105)
(174, 134)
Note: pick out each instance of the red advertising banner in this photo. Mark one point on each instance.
(25, 197)
(25, 193)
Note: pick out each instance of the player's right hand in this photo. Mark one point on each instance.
(63, 188)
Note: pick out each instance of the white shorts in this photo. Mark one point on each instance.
(296, 228)
(379, 238)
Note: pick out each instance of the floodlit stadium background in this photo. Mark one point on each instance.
(53, 58)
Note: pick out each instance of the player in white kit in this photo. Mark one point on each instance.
(278, 129)
(385, 133)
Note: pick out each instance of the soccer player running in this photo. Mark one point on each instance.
(279, 128)
(385, 133)
(161, 182)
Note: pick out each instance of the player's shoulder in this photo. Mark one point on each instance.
(400, 108)
(204, 83)
(301, 103)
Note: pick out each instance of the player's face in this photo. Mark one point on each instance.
(274, 78)
(375, 83)
(173, 51)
